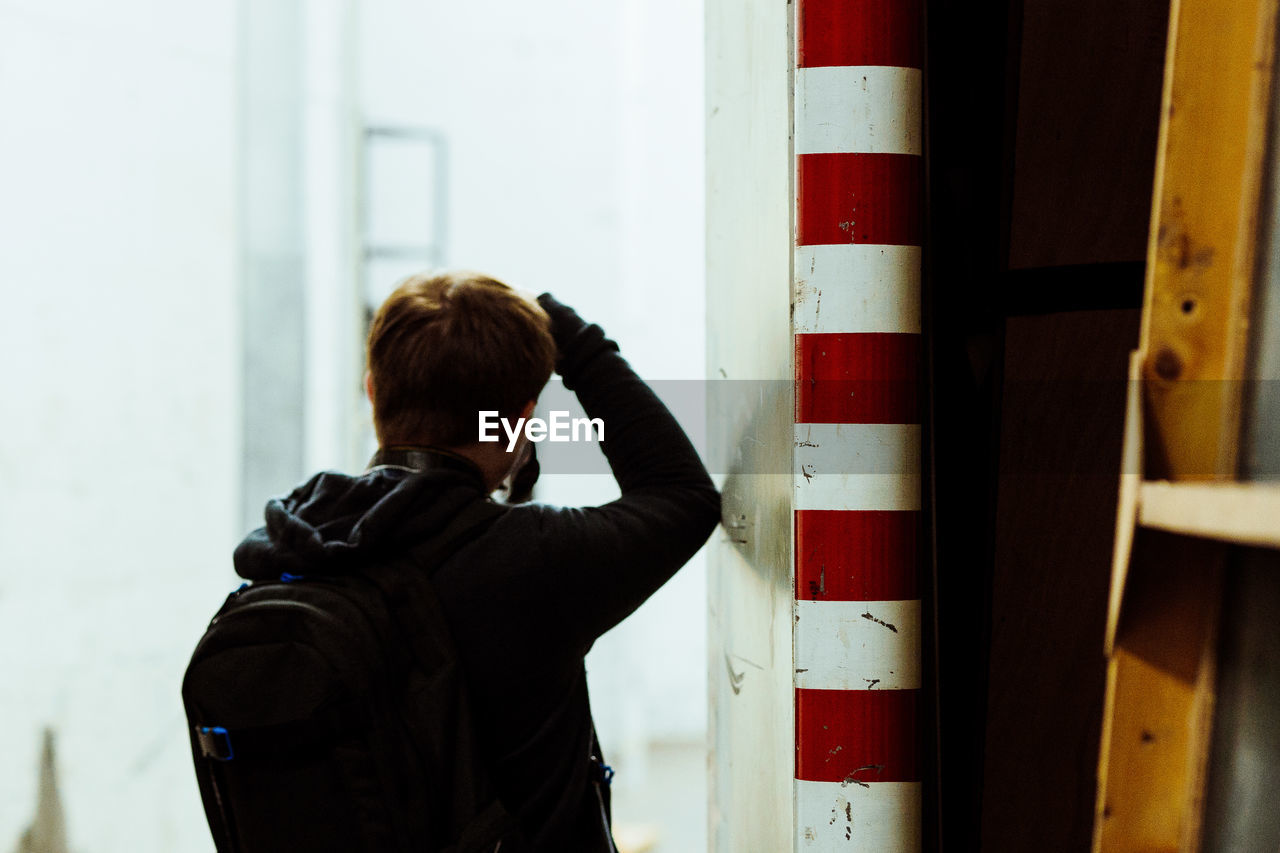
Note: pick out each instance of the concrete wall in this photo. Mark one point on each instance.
(749, 204)
(118, 455)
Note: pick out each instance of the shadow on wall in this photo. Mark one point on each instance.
(47, 832)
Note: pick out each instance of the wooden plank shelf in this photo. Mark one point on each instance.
(1242, 513)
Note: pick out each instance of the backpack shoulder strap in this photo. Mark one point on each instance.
(480, 819)
(411, 602)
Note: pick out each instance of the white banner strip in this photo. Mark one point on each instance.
(878, 816)
(857, 645)
(857, 287)
(858, 109)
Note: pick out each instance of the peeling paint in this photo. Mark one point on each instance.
(868, 616)
(853, 776)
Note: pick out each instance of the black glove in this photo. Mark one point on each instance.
(577, 342)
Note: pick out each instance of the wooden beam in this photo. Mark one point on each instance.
(1158, 712)
(1184, 426)
(1200, 254)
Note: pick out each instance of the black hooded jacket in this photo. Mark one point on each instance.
(526, 599)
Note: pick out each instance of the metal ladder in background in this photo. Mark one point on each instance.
(402, 225)
(383, 148)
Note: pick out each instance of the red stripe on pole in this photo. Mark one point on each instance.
(859, 32)
(856, 555)
(857, 736)
(858, 378)
(858, 198)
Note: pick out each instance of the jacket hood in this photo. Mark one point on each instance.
(334, 523)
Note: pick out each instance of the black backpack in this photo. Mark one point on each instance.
(329, 714)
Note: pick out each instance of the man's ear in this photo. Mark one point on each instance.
(368, 385)
(527, 411)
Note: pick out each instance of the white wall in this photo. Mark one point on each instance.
(575, 134)
(575, 138)
(334, 351)
(118, 451)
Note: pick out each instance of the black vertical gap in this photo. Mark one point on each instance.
(971, 94)
(934, 820)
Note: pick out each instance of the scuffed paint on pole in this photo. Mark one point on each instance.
(856, 320)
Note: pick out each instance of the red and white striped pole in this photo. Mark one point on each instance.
(856, 319)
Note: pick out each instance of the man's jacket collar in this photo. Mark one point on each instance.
(419, 459)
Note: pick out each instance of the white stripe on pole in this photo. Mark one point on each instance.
(857, 287)
(857, 466)
(858, 491)
(880, 816)
(858, 109)
(858, 448)
(857, 645)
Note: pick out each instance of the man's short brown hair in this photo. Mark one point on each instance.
(445, 346)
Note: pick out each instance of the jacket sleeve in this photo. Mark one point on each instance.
(601, 563)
